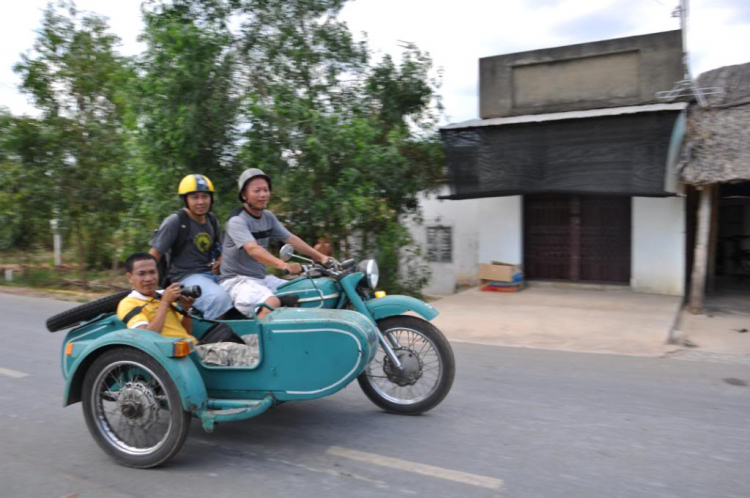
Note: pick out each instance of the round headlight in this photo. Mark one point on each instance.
(372, 273)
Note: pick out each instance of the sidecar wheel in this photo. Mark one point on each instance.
(429, 368)
(133, 409)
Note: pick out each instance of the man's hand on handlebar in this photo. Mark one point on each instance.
(292, 268)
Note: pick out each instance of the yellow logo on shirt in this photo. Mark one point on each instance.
(203, 242)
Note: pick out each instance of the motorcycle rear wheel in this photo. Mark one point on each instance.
(429, 368)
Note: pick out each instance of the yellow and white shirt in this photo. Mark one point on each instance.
(172, 324)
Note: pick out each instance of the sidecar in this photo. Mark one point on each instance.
(139, 389)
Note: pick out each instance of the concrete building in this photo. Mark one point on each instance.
(570, 171)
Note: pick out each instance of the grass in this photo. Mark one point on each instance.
(35, 270)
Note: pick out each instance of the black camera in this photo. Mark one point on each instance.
(191, 291)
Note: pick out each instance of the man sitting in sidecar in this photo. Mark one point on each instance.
(148, 308)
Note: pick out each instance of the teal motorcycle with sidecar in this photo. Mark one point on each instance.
(139, 389)
(413, 369)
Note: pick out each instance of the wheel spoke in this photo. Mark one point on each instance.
(385, 379)
(143, 428)
(425, 345)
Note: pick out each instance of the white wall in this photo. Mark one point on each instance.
(491, 229)
(484, 230)
(463, 217)
(658, 245)
(501, 229)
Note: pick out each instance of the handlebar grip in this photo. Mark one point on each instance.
(286, 272)
(348, 264)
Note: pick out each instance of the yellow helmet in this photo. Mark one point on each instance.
(195, 183)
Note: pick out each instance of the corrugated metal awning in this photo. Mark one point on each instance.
(560, 116)
(618, 151)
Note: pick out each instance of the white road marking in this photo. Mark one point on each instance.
(12, 373)
(417, 468)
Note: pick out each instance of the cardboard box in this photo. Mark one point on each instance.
(500, 272)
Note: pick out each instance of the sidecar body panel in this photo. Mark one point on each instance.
(306, 354)
(88, 342)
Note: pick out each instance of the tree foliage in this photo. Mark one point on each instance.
(76, 80)
(186, 105)
(28, 151)
(223, 85)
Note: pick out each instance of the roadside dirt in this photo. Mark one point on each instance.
(62, 295)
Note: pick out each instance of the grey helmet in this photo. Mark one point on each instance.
(248, 175)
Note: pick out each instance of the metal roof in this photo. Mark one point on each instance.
(559, 116)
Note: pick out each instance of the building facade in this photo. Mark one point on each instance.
(570, 171)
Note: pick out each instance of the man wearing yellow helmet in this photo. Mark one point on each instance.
(189, 240)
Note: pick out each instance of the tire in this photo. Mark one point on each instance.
(417, 338)
(85, 312)
(144, 405)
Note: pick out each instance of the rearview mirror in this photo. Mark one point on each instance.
(286, 252)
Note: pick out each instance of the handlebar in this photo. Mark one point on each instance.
(335, 271)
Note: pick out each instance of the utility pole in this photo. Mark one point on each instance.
(686, 86)
(56, 241)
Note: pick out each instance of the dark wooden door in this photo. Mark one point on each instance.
(578, 238)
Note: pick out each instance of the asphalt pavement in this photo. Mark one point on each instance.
(518, 423)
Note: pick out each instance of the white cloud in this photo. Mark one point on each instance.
(455, 33)
(18, 26)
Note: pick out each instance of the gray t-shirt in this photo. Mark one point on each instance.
(196, 255)
(242, 228)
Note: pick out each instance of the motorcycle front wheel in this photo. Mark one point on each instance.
(427, 367)
(133, 408)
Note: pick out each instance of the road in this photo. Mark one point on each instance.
(518, 423)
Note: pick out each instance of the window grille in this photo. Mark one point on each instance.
(439, 244)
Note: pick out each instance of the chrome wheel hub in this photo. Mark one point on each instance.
(137, 404)
(410, 371)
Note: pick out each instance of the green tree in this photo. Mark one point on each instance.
(350, 142)
(28, 152)
(79, 83)
(186, 102)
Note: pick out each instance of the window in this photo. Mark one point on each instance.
(439, 244)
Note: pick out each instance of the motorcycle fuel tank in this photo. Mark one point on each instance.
(320, 292)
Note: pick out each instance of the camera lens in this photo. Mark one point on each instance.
(191, 291)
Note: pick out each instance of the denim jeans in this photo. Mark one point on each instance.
(214, 300)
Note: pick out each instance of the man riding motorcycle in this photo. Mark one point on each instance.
(249, 230)
(191, 240)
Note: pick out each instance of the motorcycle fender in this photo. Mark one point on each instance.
(383, 307)
(183, 371)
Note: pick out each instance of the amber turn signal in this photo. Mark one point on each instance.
(379, 294)
(183, 348)
(69, 349)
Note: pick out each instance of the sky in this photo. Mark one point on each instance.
(455, 33)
